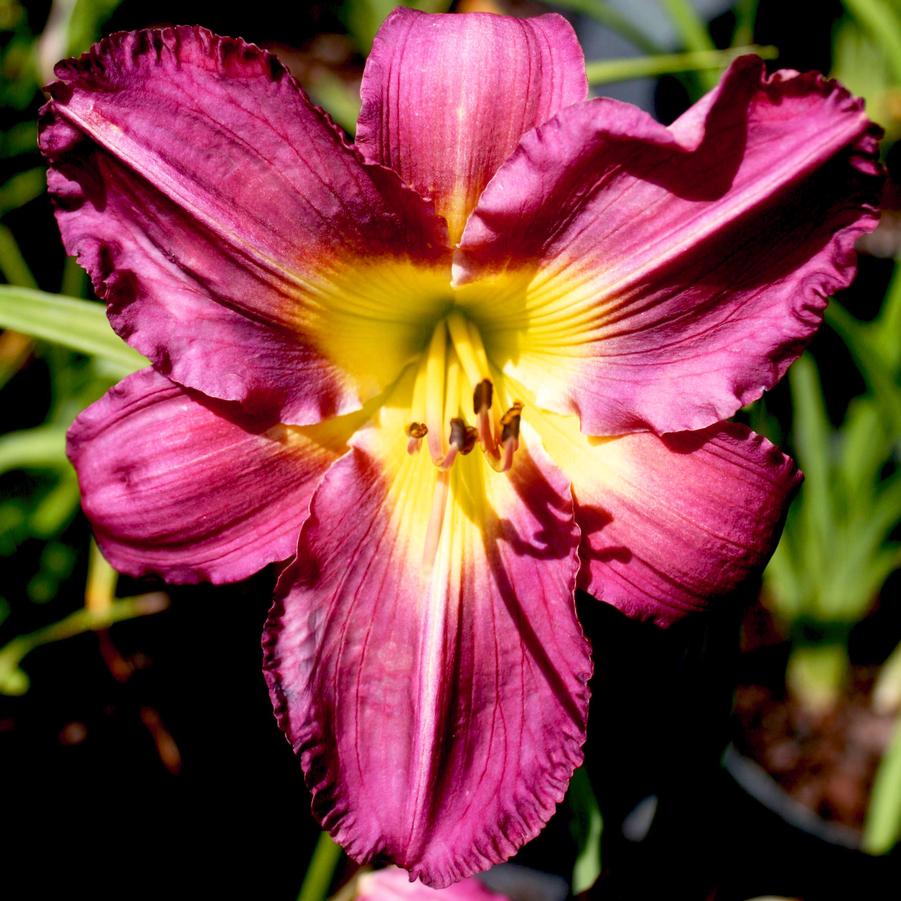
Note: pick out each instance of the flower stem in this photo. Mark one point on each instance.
(13, 681)
(318, 878)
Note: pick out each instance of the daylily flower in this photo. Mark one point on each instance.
(476, 359)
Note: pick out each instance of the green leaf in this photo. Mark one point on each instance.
(887, 688)
(883, 22)
(21, 188)
(876, 370)
(80, 325)
(886, 329)
(817, 674)
(612, 70)
(882, 828)
(786, 578)
(694, 33)
(20, 138)
(321, 871)
(588, 827)
(812, 433)
(12, 264)
(43, 447)
(865, 447)
(611, 18)
(745, 20)
(336, 98)
(362, 18)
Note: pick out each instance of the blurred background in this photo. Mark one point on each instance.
(757, 752)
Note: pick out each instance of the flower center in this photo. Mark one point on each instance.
(454, 369)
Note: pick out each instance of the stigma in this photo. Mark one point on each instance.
(454, 378)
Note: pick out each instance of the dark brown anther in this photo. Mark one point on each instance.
(457, 433)
(417, 430)
(510, 422)
(482, 396)
(462, 436)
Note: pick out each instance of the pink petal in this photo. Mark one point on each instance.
(669, 524)
(437, 699)
(670, 275)
(446, 98)
(180, 485)
(393, 884)
(231, 230)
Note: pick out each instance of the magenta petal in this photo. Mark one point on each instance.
(671, 275)
(176, 484)
(222, 217)
(671, 523)
(446, 98)
(393, 884)
(438, 709)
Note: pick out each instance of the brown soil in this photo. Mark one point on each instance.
(825, 761)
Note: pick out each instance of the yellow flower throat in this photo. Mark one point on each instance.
(456, 352)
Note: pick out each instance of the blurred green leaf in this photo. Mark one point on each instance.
(56, 509)
(75, 280)
(882, 21)
(80, 325)
(43, 447)
(861, 65)
(886, 328)
(887, 689)
(811, 438)
(86, 21)
(21, 189)
(587, 825)
(816, 674)
(786, 586)
(611, 18)
(18, 139)
(613, 70)
(336, 98)
(745, 20)
(871, 361)
(866, 444)
(693, 31)
(321, 871)
(882, 828)
(12, 264)
(362, 18)
(57, 563)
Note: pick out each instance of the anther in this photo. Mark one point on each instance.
(510, 423)
(510, 435)
(416, 431)
(482, 398)
(462, 436)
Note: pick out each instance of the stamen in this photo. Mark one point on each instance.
(434, 400)
(482, 398)
(462, 337)
(416, 431)
(462, 436)
(451, 406)
(510, 423)
(509, 436)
